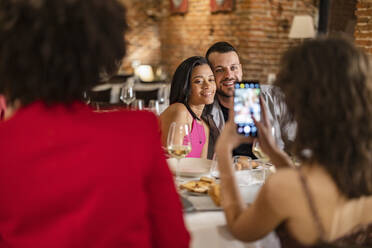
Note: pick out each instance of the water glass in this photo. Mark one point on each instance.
(138, 104)
(242, 163)
(154, 106)
(162, 94)
(214, 167)
(250, 176)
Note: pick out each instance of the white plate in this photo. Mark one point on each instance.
(190, 167)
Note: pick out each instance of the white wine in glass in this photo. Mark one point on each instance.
(179, 151)
(257, 151)
(178, 143)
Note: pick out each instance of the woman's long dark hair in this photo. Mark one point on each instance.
(328, 90)
(181, 83)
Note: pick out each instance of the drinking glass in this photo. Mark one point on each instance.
(154, 106)
(257, 151)
(178, 143)
(162, 94)
(214, 167)
(127, 95)
(138, 104)
(242, 162)
(86, 98)
(248, 177)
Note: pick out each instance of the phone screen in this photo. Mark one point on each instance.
(246, 105)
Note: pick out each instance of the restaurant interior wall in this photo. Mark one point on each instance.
(257, 28)
(143, 44)
(363, 28)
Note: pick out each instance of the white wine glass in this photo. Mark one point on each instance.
(257, 151)
(178, 144)
(127, 95)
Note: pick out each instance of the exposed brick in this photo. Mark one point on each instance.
(255, 27)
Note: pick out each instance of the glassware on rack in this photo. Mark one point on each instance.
(178, 143)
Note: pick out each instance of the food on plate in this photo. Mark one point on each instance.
(244, 163)
(215, 193)
(198, 186)
(207, 179)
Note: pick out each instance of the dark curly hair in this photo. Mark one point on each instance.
(53, 50)
(328, 89)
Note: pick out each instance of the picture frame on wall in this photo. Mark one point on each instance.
(178, 6)
(221, 5)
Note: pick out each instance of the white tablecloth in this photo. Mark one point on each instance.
(208, 229)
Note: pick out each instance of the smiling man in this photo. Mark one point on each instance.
(227, 69)
(224, 61)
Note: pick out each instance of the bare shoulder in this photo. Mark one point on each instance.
(284, 177)
(281, 187)
(175, 111)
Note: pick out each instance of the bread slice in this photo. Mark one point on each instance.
(196, 186)
(214, 192)
(207, 179)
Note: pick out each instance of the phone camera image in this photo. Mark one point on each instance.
(246, 106)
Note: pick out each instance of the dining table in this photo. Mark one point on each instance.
(206, 223)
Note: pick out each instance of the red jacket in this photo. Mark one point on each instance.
(70, 177)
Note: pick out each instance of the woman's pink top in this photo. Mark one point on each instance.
(197, 139)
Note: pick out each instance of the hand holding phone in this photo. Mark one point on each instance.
(246, 105)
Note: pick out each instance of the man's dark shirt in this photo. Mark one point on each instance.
(243, 149)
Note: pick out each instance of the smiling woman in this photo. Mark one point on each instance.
(193, 87)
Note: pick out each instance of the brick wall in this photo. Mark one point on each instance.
(363, 29)
(257, 28)
(142, 40)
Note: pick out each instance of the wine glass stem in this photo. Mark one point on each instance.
(178, 178)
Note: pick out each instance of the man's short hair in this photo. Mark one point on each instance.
(220, 47)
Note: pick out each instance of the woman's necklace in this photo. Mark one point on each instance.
(197, 131)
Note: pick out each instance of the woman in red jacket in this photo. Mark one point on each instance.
(70, 177)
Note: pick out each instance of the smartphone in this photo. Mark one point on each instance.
(246, 105)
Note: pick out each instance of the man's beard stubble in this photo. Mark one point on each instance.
(223, 94)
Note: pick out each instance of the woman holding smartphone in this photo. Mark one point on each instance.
(193, 87)
(327, 200)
